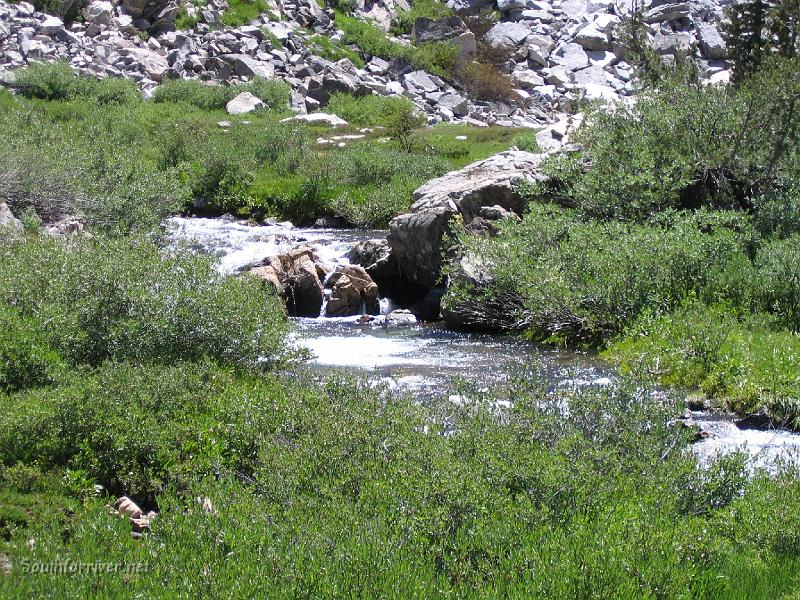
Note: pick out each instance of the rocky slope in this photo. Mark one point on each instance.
(558, 50)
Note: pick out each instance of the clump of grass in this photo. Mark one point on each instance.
(741, 363)
(403, 21)
(369, 111)
(58, 81)
(326, 48)
(274, 93)
(242, 12)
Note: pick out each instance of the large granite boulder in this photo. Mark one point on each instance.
(416, 238)
(295, 276)
(244, 103)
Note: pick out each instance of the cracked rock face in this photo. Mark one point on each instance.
(416, 238)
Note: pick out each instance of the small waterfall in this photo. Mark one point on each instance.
(387, 305)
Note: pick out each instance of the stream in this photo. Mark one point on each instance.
(425, 359)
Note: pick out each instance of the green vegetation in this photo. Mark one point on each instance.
(95, 150)
(183, 21)
(758, 29)
(438, 58)
(743, 363)
(274, 93)
(689, 196)
(242, 12)
(429, 9)
(299, 473)
(370, 111)
(326, 48)
(59, 82)
(131, 367)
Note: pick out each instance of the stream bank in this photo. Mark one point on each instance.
(425, 359)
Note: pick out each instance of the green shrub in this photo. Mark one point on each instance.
(585, 282)
(196, 93)
(437, 57)
(25, 358)
(115, 90)
(306, 473)
(527, 141)
(323, 46)
(104, 299)
(242, 12)
(274, 93)
(55, 81)
(485, 81)
(369, 111)
(404, 20)
(58, 81)
(778, 281)
(684, 146)
(743, 364)
(183, 22)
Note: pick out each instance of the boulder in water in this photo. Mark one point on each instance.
(296, 278)
(400, 317)
(416, 238)
(351, 290)
(376, 258)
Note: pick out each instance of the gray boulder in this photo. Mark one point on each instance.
(571, 56)
(244, 103)
(505, 33)
(377, 260)
(667, 12)
(455, 103)
(7, 219)
(711, 42)
(99, 12)
(450, 29)
(416, 238)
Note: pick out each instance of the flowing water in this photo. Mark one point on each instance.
(426, 358)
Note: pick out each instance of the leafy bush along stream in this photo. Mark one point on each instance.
(310, 487)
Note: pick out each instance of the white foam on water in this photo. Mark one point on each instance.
(237, 245)
(365, 352)
(763, 447)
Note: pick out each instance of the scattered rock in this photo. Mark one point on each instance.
(712, 43)
(244, 103)
(318, 118)
(8, 220)
(400, 317)
(125, 507)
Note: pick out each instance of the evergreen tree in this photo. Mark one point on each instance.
(759, 29)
